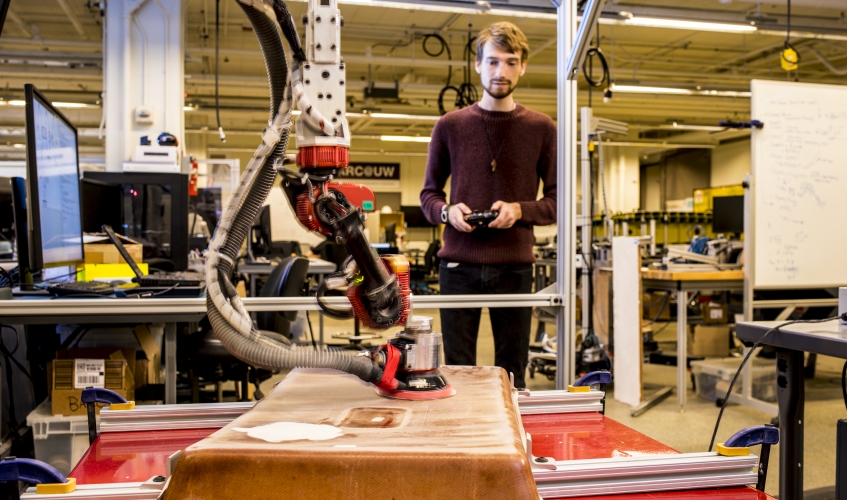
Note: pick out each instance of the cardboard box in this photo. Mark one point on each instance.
(714, 313)
(708, 341)
(148, 360)
(66, 388)
(100, 250)
(652, 303)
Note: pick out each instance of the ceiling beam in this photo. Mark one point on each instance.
(72, 18)
(18, 21)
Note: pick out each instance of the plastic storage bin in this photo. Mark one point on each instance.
(714, 375)
(59, 440)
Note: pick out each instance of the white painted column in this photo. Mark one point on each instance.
(143, 46)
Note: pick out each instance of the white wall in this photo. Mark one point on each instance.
(622, 180)
(730, 163)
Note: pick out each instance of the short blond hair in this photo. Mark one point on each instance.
(506, 36)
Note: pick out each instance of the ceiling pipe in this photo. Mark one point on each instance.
(72, 18)
(829, 65)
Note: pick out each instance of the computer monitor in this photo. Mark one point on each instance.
(7, 216)
(391, 233)
(728, 214)
(153, 211)
(414, 216)
(53, 185)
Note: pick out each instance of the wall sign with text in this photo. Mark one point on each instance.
(375, 175)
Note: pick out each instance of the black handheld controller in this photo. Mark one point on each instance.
(481, 218)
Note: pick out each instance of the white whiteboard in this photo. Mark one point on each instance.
(799, 167)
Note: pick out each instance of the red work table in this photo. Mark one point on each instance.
(120, 457)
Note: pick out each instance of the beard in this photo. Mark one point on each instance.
(499, 91)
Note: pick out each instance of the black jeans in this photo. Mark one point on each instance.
(510, 325)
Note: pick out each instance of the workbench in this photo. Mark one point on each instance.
(124, 457)
(681, 283)
(791, 342)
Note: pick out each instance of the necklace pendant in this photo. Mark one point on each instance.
(493, 165)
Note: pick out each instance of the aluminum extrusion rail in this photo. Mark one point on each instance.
(186, 306)
(217, 415)
(688, 471)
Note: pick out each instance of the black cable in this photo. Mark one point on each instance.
(749, 353)
(217, 70)
(844, 383)
(442, 48)
(311, 332)
(661, 310)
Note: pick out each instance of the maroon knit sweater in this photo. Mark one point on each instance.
(459, 150)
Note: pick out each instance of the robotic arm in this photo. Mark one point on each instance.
(378, 288)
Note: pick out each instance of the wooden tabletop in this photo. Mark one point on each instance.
(655, 274)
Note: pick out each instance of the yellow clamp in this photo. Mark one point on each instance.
(788, 59)
(582, 388)
(56, 488)
(728, 451)
(129, 405)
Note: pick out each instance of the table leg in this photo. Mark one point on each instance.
(790, 394)
(320, 278)
(681, 347)
(841, 461)
(170, 363)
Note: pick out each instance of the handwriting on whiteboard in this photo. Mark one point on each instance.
(801, 182)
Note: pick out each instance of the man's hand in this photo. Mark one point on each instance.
(456, 217)
(509, 214)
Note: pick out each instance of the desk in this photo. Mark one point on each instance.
(681, 283)
(791, 342)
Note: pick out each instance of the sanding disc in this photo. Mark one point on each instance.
(442, 393)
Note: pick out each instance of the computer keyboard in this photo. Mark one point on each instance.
(81, 288)
(170, 279)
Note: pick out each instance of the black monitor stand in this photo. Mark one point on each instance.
(19, 208)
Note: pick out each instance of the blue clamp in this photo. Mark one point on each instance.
(29, 471)
(100, 395)
(594, 378)
(753, 436)
(740, 442)
(45, 477)
(92, 395)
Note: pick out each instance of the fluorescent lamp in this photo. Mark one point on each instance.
(414, 6)
(189, 108)
(637, 89)
(70, 105)
(652, 22)
(400, 116)
(404, 138)
(16, 103)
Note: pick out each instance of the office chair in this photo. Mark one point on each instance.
(424, 275)
(208, 360)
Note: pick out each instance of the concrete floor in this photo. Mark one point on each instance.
(691, 431)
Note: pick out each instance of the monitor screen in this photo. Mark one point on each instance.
(728, 214)
(54, 186)
(414, 217)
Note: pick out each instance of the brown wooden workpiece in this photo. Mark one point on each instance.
(466, 446)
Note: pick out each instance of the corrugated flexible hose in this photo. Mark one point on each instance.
(229, 320)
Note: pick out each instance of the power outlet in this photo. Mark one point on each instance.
(144, 115)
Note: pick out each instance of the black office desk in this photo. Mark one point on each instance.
(791, 342)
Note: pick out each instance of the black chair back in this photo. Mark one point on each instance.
(286, 280)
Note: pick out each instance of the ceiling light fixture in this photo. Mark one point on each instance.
(70, 105)
(637, 89)
(400, 116)
(404, 138)
(653, 22)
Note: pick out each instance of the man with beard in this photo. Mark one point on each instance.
(496, 154)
